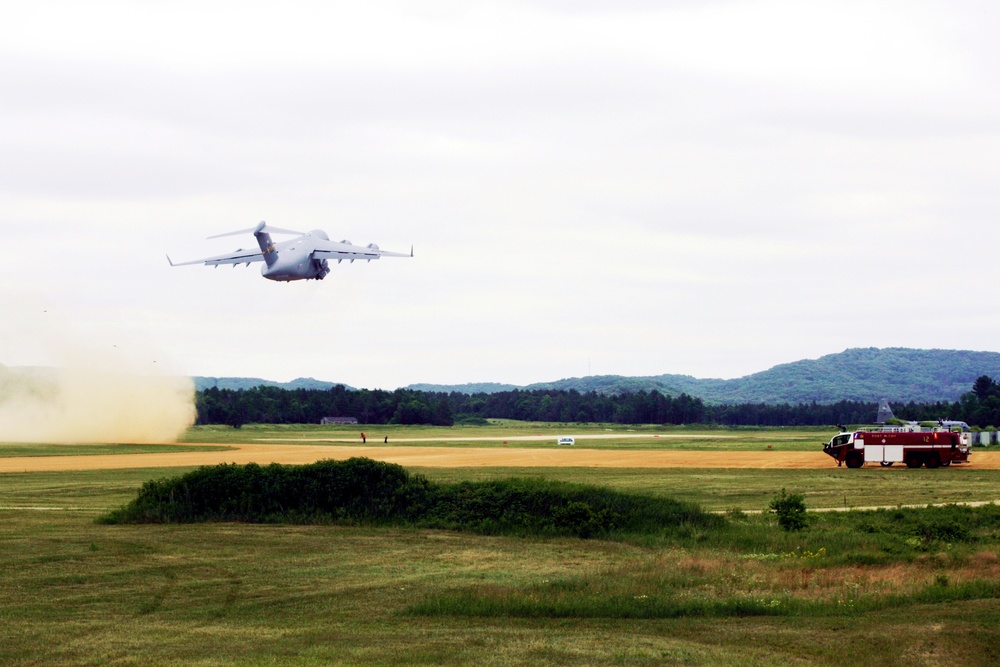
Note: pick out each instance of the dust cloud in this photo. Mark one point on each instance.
(76, 404)
(84, 390)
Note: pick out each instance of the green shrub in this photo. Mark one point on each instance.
(581, 520)
(358, 490)
(791, 510)
(470, 420)
(363, 491)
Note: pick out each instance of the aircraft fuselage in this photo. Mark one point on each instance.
(293, 259)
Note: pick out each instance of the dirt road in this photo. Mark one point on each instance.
(453, 457)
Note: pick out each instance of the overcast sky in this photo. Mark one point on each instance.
(635, 188)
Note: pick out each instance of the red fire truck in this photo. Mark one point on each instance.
(914, 448)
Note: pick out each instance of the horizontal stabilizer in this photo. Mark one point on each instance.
(261, 227)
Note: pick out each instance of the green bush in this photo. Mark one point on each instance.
(581, 520)
(791, 510)
(470, 420)
(363, 491)
(358, 490)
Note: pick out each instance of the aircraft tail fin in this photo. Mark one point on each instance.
(260, 232)
(884, 412)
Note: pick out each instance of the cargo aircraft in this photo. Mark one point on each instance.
(302, 258)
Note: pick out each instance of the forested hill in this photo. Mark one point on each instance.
(202, 383)
(900, 374)
(859, 374)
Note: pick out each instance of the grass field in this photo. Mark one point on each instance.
(717, 489)
(11, 449)
(76, 592)
(723, 489)
(506, 433)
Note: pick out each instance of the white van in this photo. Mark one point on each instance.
(565, 441)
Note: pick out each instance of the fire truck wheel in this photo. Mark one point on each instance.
(854, 460)
(885, 464)
(933, 460)
(945, 463)
(914, 461)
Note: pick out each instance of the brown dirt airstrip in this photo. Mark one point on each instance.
(450, 457)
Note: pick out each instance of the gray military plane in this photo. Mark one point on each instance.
(302, 258)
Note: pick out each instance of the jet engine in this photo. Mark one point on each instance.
(322, 268)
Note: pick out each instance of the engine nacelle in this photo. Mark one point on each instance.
(322, 268)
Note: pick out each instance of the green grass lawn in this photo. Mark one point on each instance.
(717, 489)
(75, 592)
(593, 436)
(90, 492)
(9, 449)
(749, 490)
(499, 433)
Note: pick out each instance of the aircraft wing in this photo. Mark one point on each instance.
(238, 257)
(341, 251)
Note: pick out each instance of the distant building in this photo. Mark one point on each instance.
(338, 420)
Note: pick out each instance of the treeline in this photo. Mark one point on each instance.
(979, 407)
(560, 405)
(272, 405)
(655, 408)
